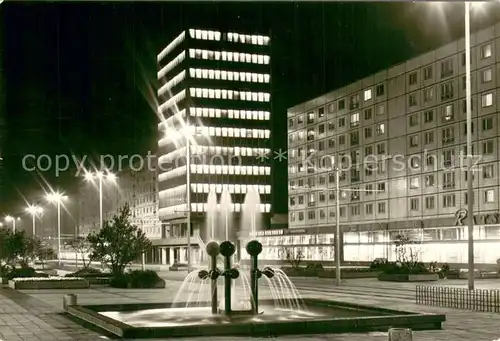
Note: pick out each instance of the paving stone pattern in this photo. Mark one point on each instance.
(36, 315)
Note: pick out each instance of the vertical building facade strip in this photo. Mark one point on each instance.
(214, 93)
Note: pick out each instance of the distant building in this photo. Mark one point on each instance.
(215, 103)
(137, 188)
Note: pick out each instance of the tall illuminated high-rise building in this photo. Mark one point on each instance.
(214, 107)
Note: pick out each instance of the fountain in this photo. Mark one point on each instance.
(284, 313)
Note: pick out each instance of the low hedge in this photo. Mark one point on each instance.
(23, 273)
(88, 273)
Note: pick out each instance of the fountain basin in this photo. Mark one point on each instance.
(154, 320)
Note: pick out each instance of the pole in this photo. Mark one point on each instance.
(59, 232)
(215, 300)
(470, 193)
(337, 227)
(100, 202)
(14, 225)
(33, 225)
(188, 199)
(143, 255)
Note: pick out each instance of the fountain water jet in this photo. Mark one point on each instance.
(226, 208)
(211, 214)
(250, 212)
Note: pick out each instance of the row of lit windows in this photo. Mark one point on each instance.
(236, 189)
(231, 37)
(229, 56)
(172, 120)
(230, 94)
(198, 151)
(174, 134)
(172, 101)
(229, 75)
(248, 39)
(172, 64)
(202, 207)
(170, 47)
(217, 169)
(204, 34)
(171, 83)
(231, 170)
(230, 113)
(414, 204)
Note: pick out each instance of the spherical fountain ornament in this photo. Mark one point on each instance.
(268, 272)
(254, 248)
(213, 249)
(234, 273)
(203, 274)
(227, 248)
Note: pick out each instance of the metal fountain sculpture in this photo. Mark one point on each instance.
(227, 250)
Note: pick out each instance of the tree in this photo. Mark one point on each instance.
(118, 243)
(44, 252)
(406, 252)
(292, 256)
(83, 248)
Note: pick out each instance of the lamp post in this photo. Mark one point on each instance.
(470, 193)
(34, 211)
(13, 220)
(100, 176)
(57, 198)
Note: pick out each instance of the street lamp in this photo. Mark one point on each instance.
(13, 219)
(89, 176)
(34, 211)
(189, 132)
(57, 198)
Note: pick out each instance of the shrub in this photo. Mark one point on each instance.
(313, 269)
(143, 279)
(378, 263)
(119, 281)
(87, 273)
(21, 273)
(135, 279)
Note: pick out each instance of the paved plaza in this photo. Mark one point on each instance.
(34, 315)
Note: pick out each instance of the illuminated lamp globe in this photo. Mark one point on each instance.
(213, 249)
(227, 249)
(254, 248)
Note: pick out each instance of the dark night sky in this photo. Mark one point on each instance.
(77, 75)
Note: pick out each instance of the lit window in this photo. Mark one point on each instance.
(223, 75)
(489, 196)
(368, 94)
(486, 51)
(487, 76)
(486, 100)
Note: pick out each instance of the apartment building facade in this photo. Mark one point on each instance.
(404, 131)
(215, 108)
